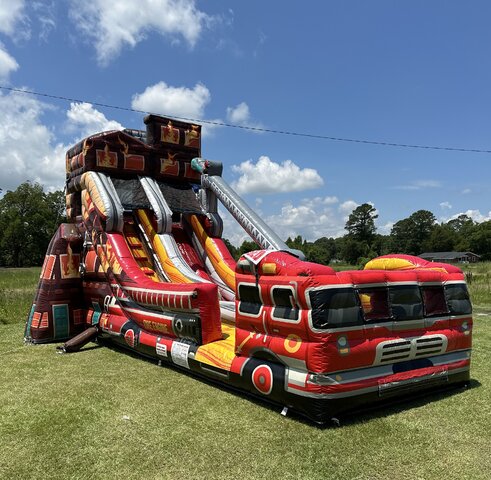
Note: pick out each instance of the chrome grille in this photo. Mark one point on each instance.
(430, 345)
(403, 349)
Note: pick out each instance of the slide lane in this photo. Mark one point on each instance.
(178, 271)
(188, 252)
(216, 251)
(158, 307)
(168, 253)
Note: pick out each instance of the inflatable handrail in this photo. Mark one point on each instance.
(162, 212)
(262, 234)
(104, 198)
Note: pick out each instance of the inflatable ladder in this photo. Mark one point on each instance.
(138, 250)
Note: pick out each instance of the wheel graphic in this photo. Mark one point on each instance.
(262, 379)
(129, 338)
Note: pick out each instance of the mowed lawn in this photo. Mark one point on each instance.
(105, 414)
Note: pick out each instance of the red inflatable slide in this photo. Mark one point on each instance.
(141, 264)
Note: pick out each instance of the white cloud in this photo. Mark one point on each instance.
(232, 231)
(266, 176)
(420, 184)
(13, 24)
(179, 102)
(45, 15)
(466, 191)
(8, 64)
(241, 115)
(28, 149)
(311, 218)
(11, 14)
(114, 25)
(445, 205)
(173, 101)
(348, 206)
(476, 215)
(386, 228)
(86, 120)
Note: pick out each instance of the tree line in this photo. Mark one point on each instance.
(419, 233)
(29, 217)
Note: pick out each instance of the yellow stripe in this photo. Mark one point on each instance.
(220, 353)
(396, 264)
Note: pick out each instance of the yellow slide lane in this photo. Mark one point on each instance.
(221, 267)
(170, 269)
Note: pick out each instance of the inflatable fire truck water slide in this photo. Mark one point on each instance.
(141, 263)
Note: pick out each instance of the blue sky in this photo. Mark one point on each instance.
(402, 72)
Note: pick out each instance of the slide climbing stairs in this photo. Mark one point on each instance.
(138, 250)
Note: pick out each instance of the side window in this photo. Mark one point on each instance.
(250, 300)
(406, 302)
(334, 307)
(458, 300)
(375, 303)
(284, 304)
(434, 301)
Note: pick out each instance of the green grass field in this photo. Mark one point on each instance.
(105, 414)
(17, 287)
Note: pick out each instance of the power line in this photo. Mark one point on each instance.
(245, 127)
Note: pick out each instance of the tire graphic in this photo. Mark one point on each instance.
(262, 379)
(129, 338)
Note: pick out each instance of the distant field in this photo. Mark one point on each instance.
(479, 284)
(102, 413)
(17, 288)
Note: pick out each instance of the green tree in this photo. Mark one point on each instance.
(463, 227)
(442, 239)
(411, 235)
(247, 246)
(461, 224)
(297, 243)
(321, 251)
(361, 223)
(480, 240)
(353, 250)
(401, 236)
(28, 219)
(361, 233)
(381, 244)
